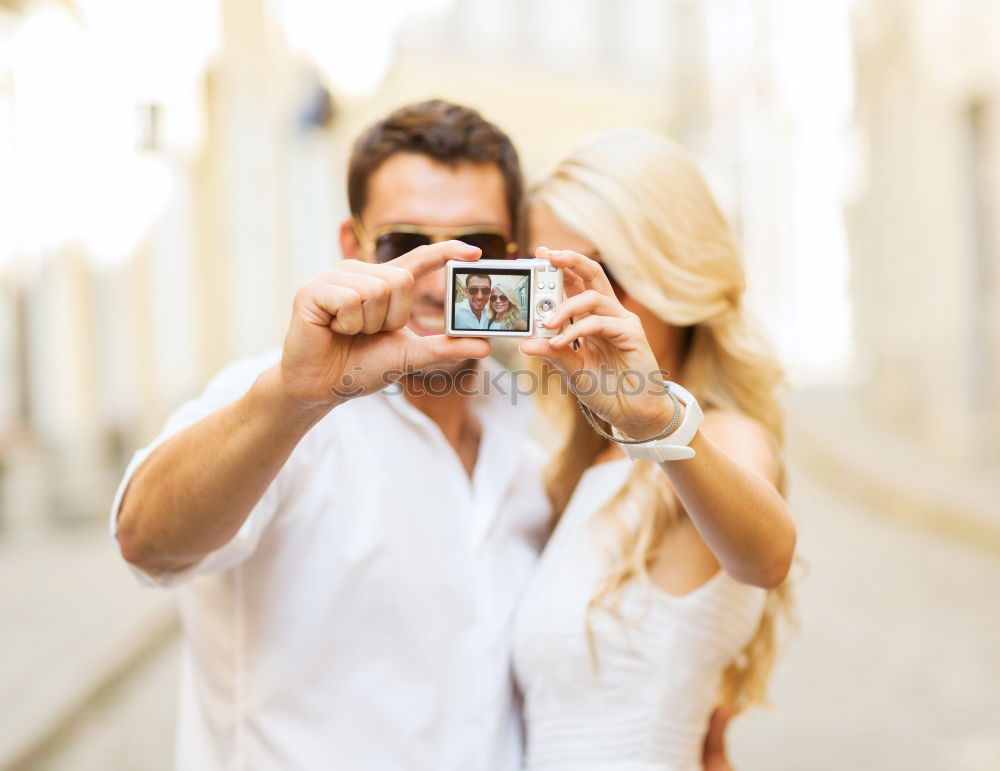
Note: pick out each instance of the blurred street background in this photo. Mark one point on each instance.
(170, 172)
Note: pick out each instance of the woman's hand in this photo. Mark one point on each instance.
(729, 488)
(611, 369)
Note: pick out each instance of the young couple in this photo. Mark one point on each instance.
(490, 303)
(359, 579)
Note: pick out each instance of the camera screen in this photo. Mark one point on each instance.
(491, 299)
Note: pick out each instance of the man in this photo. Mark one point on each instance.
(471, 312)
(348, 568)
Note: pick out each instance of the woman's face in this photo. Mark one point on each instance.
(499, 302)
(545, 229)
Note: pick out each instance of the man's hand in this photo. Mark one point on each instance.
(192, 495)
(713, 756)
(347, 335)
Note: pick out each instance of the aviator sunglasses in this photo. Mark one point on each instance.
(391, 241)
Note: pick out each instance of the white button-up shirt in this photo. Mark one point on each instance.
(361, 617)
(466, 319)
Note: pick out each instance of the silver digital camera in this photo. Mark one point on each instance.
(501, 298)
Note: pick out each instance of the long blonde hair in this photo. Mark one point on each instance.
(641, 200)
(508, 319)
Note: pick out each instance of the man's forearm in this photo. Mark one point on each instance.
(194, 492)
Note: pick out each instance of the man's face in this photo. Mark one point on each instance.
(478, 289)
(413, 189)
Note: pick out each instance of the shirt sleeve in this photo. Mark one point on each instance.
(225, 388)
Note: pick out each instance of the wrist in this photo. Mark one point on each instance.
(642, 429)
(293, 412)
(673, 442)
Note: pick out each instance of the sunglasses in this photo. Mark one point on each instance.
(495, 297)
(392, 241)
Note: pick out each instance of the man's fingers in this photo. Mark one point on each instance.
(714, 749)
(331, 305)
(427, 259)
(392, 300)
(424, 352)
(374, 293)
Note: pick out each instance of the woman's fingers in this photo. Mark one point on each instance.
(615, 330)
(572, 283)
(577, 269)
(588, 302)
(565, 358)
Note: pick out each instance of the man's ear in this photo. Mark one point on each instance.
(350, 247)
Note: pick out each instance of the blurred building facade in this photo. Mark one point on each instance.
(198, 194)
(925, 243)
(159, 204)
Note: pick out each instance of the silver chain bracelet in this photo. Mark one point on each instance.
(662, 435)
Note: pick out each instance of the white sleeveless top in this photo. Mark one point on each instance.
(647, 708)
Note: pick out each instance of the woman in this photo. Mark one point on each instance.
(656, 597)
(504, 310)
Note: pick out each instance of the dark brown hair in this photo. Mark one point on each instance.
(448, 133)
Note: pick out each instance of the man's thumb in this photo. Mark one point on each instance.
(424, 352)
